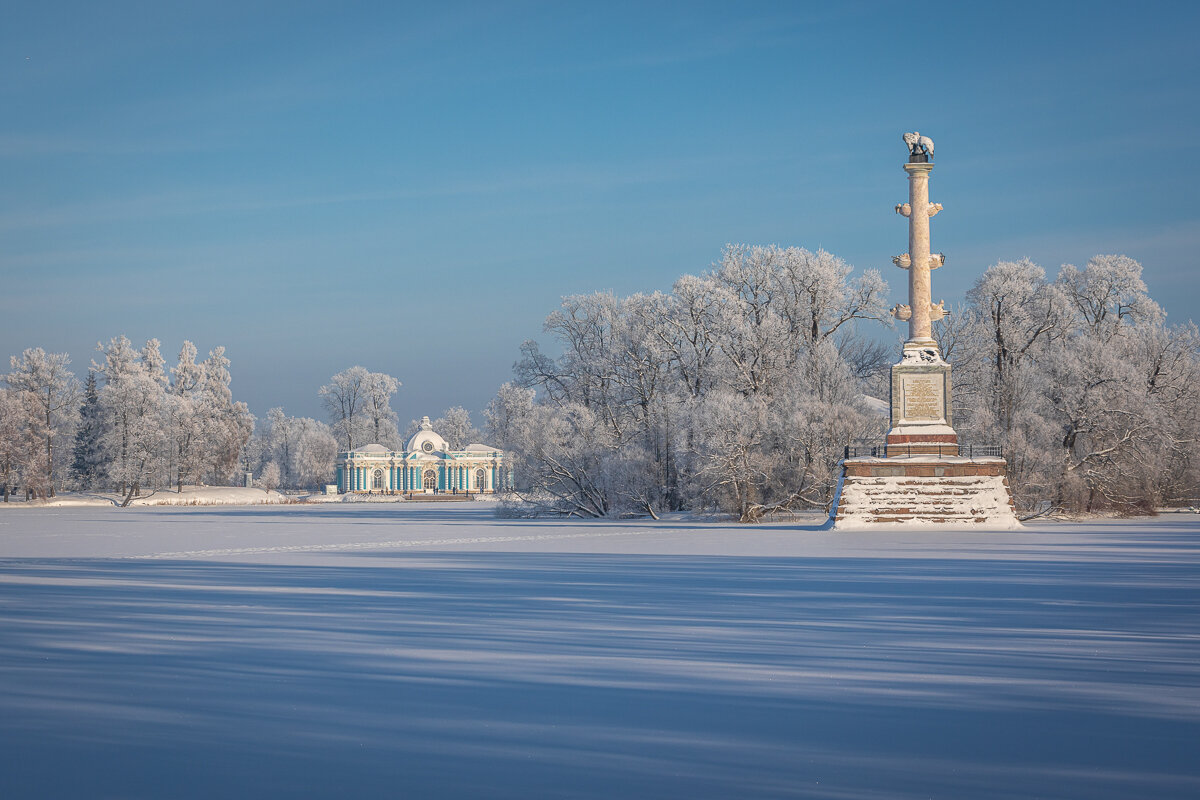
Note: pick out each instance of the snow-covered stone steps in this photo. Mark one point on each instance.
(974, 500)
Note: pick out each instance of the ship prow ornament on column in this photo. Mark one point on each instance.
(921, 477)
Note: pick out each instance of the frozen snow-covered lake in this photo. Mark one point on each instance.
(432, 651)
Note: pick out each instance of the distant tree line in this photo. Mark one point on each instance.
(1095, 399)
(739, 389)
(134, 425)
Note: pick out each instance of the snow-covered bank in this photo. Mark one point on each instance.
(212, 496)
(429, 650)
(64, 500)
(190, 496)
(216, 496)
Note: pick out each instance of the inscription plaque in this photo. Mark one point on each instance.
(923, 400)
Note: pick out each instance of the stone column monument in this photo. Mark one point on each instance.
(921, 475)
(921, 415)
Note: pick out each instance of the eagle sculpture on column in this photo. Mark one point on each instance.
(918, 144)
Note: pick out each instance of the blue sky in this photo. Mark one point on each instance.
(413, 187)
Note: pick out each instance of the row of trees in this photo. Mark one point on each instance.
(740, 388)
(290, 452)
(1094, 397)
(737, 390)
(133, 425)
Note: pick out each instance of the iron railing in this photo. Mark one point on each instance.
(923, 449)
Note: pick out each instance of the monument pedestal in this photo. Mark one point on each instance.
(920, 478)
(921, 414)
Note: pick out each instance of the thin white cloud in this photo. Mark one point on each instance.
(248, 199)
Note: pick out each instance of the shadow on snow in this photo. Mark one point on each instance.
(594, 675)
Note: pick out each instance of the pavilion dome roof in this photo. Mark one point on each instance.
(371, 448)
(426, 435)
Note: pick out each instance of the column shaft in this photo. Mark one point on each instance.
(920, 328)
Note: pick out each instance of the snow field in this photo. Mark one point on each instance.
(432, 651)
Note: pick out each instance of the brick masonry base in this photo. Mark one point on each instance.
(923, 467)
(934, 438)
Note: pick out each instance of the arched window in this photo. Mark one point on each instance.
(481, 480)
(430, 479)
(377, 479)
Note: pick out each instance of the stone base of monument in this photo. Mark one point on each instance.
(922, 490)
(922, 476)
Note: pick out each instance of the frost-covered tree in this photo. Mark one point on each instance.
(1092, 395)
(378, 409)
(269, 477)
(786, 300)
(313, 455)
(730, 433)
(187, 377)
(688, 332)
(185, 407)
(567, 461)
(1108, 293)
(303, 449)
(228, 424)
(87, 463)
(12, 439)
(50, 395)
(345, 397)
(120, 357)
(507, 412)
(154, 363)
(455, 427)
(640, 410)
(1019, 312)
(133, 404)
(359, 406)
(158, 430)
